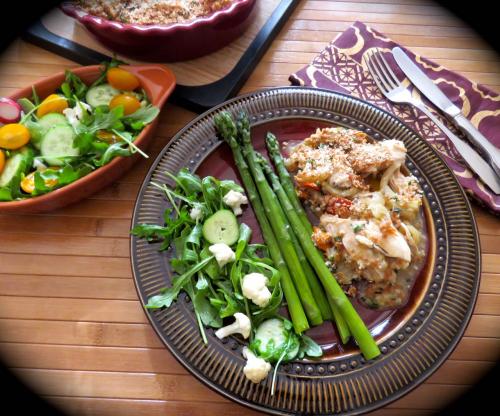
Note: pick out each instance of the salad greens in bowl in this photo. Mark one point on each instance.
(69, 135)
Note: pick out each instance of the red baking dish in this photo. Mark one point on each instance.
(158, 82)
(168, 43)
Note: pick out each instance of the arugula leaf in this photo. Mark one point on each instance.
(50, 179)
(211, 193)
(202, 282)
(189, 182)
(208, 313)
(309, 347)
(103, 118)
(167, 233)
(83, 142)
(167, 296)
(151, 232)
(227, 185)
(26, 104)
(212, 268)
(244, 238)
(116, 149)
(34, 96)
(5, 194)
(164, 299)
(230, 307)
(36, 130)
(73, 87)
(141, 117)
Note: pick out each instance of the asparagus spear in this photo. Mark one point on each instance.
(293, 217)
(316, 287)
(285, 179)
(227, 130)
(278, 224)
(356, 325)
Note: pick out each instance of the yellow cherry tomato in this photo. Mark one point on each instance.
(2, 160)
(13, 136)
(52, 104)
(122, 79)
(28, 183)
(129, 102)
(108, 136)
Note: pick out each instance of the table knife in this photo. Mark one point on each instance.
(441, 101)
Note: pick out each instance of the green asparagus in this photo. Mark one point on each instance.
(286, 181)
(342, 327)
(227, 131)
(278, 224)
(316, 287)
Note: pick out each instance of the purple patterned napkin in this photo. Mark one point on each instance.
(339, 67)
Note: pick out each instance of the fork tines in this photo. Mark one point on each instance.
(383, 75)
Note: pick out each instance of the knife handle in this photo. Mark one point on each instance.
(490, 151)
(470, 156)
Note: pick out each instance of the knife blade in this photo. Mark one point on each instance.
(441, 101)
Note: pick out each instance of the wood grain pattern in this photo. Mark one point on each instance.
(70, 321)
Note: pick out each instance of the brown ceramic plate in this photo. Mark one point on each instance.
(414, 340)
(158, 82)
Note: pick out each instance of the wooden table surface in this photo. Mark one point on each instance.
(71, 325)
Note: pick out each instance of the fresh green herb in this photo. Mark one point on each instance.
(215, 292)
(309, 347)
(73, 88)
(34, 96)
(141, 117)
(358, 227)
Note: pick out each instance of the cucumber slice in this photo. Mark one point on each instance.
(52, 119)
(270, 339)
(101, 95)
(13, 169)
(221, 227)
(44, 125)
(58, 144)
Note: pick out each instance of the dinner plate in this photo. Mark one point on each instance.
(414, 340)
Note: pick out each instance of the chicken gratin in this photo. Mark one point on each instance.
(152, 12)
(371, 227)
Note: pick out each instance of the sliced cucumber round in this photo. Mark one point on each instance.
(57, 144)
(101, 95)
(271, 338)
(13, 169)
(221, 227)
(44, 125)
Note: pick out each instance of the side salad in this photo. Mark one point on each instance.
(225, 276)
(48, 143)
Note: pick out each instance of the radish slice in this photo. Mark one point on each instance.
(10, 111)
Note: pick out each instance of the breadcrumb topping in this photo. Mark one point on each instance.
(369, 227)
(152, 11)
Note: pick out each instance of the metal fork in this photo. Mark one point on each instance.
(393, 89)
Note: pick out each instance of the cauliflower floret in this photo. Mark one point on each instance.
(256, 368)
(75, 114)
(234, 200)
(196, 213)
(223, 253)
(241, 325)
(38, 164)
(253, 286)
